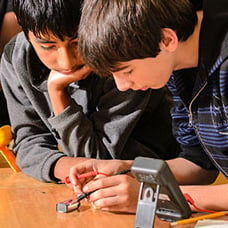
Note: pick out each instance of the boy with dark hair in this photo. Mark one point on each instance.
(55, 100)
(151, 43)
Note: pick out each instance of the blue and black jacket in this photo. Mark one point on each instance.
(200, 115)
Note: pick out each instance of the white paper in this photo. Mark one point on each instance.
(211, 223)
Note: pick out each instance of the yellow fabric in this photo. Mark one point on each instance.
(5, 138)
(5, 135)
(221, 179)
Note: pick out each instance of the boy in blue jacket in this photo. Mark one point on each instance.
(151, 43)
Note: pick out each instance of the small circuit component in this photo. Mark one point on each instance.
(67, 205)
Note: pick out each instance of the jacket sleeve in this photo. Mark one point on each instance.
(103, 132)
(35, 146)
(185, 134)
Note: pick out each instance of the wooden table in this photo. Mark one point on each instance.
(28, 203)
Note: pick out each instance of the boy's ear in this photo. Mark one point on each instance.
(169, 40)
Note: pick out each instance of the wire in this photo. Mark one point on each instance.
(95, 173)
(192, 202)
(85, 175)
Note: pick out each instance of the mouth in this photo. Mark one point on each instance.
(73, 70)
(144, 88)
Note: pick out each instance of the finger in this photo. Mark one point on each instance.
(106, 187)
(86, 69)
(81, 73)
(78, 170)
(115, 203)
(106, 182)
(77, 189)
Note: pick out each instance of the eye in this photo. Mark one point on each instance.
(74, 43)
(128, 72)
(47, 47)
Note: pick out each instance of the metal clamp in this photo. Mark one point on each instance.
(147, 204)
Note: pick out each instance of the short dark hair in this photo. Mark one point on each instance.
(61, 17)
(113, 31)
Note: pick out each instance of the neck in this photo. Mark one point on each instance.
(191, 47)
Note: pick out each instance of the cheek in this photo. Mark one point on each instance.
(153, 77)
(162, 78)
(47, 59)
(147, 74)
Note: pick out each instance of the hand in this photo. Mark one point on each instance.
(116, 193)
(59, 81)
(110, 167)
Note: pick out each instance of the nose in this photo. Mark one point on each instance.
(66, 58)
(122, 83)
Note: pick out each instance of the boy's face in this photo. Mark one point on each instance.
(57, 55)
(142, 74)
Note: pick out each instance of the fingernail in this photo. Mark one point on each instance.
(73, 182)
(85, 189)
(94, 206)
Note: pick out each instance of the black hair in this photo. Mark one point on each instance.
(61, 17)
(113, 31)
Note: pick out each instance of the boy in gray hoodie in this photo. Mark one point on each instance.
(62, 113)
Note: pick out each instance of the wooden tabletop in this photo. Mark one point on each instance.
(28, 203)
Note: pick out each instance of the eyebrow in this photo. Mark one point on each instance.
(44, 41)
(40, 40)
(74, 38)
(121, 68)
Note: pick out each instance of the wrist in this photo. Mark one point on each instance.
(59, 100)
(63, 165)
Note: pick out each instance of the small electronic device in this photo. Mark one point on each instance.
(71, 204)
(67, 205)
(159, 193)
